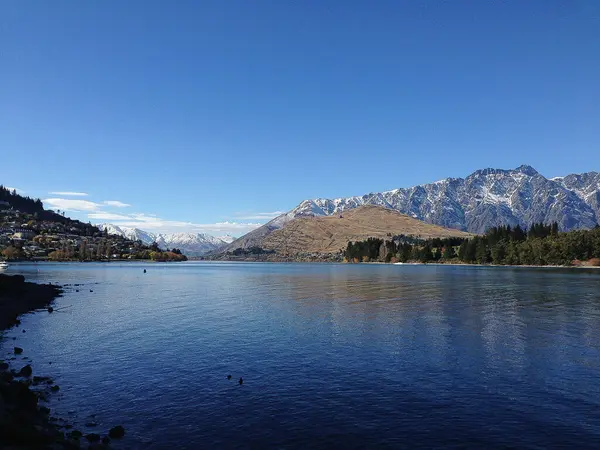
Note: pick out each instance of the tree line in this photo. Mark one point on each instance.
(541, 244)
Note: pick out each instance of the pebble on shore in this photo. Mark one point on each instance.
(116, 432)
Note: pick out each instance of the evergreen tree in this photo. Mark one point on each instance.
(498, 252)
(425, 254)
(518, 234)
(449, 252)
(481, 252)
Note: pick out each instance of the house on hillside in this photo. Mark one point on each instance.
(24, 234)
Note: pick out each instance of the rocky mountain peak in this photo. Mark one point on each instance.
(486, 198)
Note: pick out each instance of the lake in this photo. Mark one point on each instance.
(332, 355)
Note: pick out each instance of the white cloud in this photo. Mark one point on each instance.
(108, 216)
(68, 204)
(259, 216)
(155, 224)
(19, 191)
(69, 193)
(116, 203)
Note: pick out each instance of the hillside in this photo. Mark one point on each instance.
(30, 232)
(332, 234)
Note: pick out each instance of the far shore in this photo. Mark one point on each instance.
(326, 259)
(530, 266)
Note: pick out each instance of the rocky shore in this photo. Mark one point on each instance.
(25, 423)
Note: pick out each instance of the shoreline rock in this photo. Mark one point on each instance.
(24, 422)
(18, 297)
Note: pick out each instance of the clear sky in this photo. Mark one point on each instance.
(205, 112)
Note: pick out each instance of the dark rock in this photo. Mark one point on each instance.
(116, 432)
(18, 350)
(45, 410)
(12, 283)
(92, 437)
(106, 440)
(229, 377)
(39, 380)
(25, 371)
(75, 434)
(19, 394)
(55, 388)
(241, 380)
(3, 366)
(18, 297)
(68, 426)
(23, 331)
(6, 377)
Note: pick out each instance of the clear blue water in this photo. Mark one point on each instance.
(347, 356)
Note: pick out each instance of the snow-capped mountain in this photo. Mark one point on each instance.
(190, 244)
(135, 234)
(486, 198)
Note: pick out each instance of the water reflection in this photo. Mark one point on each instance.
(332, 355)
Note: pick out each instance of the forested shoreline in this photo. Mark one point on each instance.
(541, 244)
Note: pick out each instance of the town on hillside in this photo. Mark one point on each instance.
(29, 232)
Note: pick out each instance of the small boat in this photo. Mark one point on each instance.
(3, 265)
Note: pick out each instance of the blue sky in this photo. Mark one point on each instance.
(211, 115)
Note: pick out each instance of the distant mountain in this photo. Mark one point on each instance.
(135, 234)
(484, 199)
(190, 244)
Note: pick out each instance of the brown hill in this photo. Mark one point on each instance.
(332, 233)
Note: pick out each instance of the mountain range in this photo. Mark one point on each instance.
(190, 244)
(484, 199)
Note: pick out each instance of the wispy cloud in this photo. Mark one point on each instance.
(19, 191)
(68, 204)
(69, 194)
(116, 203)
(107, 216)
(259, 215)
